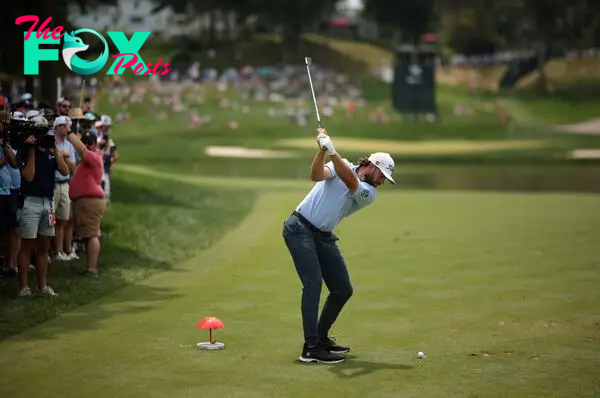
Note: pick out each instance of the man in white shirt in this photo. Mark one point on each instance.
(61, 204)
(341, 189)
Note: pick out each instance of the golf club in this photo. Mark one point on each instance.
(308, 61)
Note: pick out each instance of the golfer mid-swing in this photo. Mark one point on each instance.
(341, 189)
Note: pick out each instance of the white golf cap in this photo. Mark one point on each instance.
(18, 116)
(32, 113)
(385, 163)
(39, 119)
(43, 121)
(62, 120)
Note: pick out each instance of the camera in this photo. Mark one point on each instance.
(16, 132)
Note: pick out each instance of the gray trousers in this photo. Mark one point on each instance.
(317, 259)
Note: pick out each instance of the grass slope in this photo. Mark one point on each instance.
(150, 226)
(498, 290)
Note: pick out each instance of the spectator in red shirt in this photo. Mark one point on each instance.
(87, 197)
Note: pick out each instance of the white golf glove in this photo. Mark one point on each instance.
(326, 144)
(319, 136)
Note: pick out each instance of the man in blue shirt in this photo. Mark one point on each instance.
(8, 207)
(341, 189)
(5, 208)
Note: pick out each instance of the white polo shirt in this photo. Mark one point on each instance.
(330, 201)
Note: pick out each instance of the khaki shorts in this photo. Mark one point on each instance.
(87, 215)
(61, 204)
(34, 217)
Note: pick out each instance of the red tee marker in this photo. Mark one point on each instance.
(209, 323)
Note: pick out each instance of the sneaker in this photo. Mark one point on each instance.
(61, 257)
(47, 291)
(319, 354)
(72, 256)
(331, 346)
(25, 292)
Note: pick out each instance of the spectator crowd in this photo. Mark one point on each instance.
(54, 188)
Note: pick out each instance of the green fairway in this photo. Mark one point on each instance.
(499, 291)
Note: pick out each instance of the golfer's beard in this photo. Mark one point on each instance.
(368, 178)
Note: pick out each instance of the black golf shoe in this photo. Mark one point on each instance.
(319, 354)
(331, 346)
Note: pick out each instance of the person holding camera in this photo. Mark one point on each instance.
(40, 161)
(87, 197)
(61, 202)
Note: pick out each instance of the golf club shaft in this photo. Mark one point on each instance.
(312, 90)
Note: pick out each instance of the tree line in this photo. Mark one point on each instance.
(486, 26)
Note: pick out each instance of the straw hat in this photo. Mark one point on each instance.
(76, 113)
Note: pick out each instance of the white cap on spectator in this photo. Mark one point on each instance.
(32, 113)
(39, 119)
(18, 116)
(106, 120)
(62, 120)
(99, 123)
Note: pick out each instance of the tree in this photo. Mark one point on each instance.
(467, 26)
(559, 25)
(291, 16)
(410, 18)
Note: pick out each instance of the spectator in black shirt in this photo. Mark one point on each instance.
(36, 218)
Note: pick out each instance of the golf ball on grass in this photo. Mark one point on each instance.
(420, 355)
